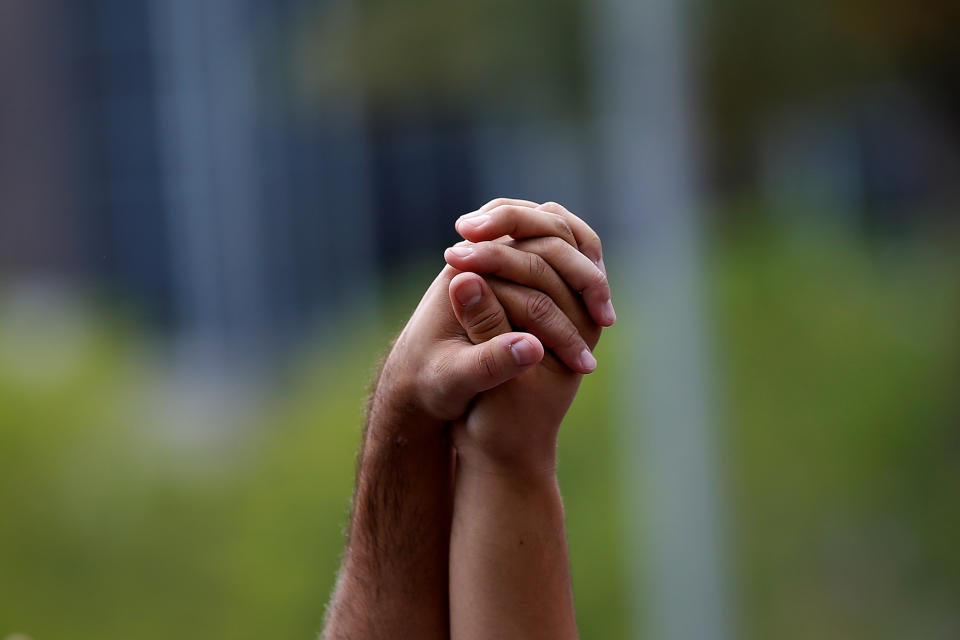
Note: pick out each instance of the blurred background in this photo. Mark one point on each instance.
(214, 215)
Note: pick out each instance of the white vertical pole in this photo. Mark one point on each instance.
(647, 122)
(205, 80)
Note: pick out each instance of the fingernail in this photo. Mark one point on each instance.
(468, 294)
(601, 266)
(587, 361)
(608, 312)
(523, 352)
(475, 222)
(461, 252)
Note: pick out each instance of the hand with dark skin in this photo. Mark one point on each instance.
(394, 579)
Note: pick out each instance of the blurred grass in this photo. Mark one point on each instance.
(837, 368)
(841, 383)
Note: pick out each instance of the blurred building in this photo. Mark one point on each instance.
(153, 163)
(876, 157)
(155, 151)
(164, 153)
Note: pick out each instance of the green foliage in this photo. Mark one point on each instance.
(840, 385)
(837, 370)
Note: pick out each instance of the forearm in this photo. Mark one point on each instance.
(509, 570)
(394, 578)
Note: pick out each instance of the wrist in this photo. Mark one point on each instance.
(526, 464)
(397, 405)
(406, 388)
(506, 443)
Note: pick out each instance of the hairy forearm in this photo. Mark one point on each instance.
(509, 571)
(394, 578)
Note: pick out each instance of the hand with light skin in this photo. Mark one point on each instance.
(571, 302)
(509, 572)
(394, 579)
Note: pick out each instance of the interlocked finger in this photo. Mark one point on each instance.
(587, 239)
(547, 264)
(578, 272)
(537, 313)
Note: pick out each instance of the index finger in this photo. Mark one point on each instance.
(516, 221)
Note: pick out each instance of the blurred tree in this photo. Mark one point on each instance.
(763, 56)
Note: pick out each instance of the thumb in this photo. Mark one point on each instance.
(477, 368)
(498, 354)
(477, 308)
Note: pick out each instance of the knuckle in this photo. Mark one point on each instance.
(486, 321)
(437, 378)
(554, 207)
(594, 239)
(496, 202)
(570, 337)
(487, 363)
(593, 244)
(556, 245)
(563, 230)
(598, 280)
(536, 265)
(539, 307)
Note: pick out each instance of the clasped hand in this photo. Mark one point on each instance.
(499, 343)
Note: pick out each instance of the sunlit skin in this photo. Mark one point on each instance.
(476, 548)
